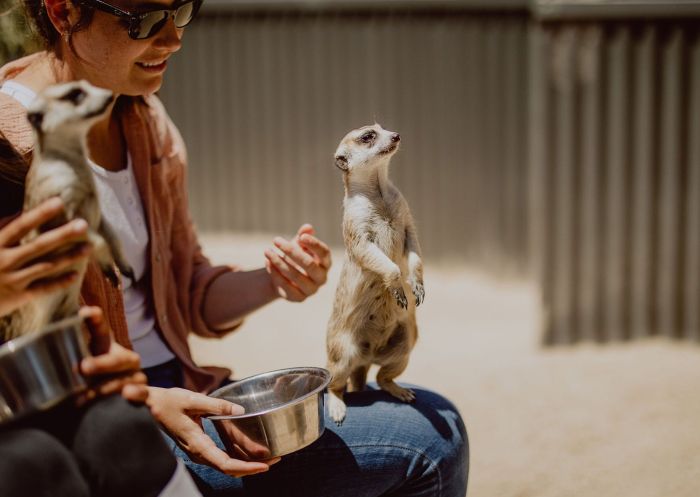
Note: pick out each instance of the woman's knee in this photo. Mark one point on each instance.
(430, 429)
(449, 451)
(32, 462)
(120, 446)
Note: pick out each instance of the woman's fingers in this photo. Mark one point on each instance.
(286, 289)
(45, 269)
(47, 285)
(135, 393)
(118, 384)
(198, 403)
(202, 449)
(45, 243)
(100, 335)
(292, 273)
(116, 360)
(320, 249)
(17, 229)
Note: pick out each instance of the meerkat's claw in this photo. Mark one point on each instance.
(403, 394)
(128, 272)
(400, 297)
(418, 292)
(111, 275)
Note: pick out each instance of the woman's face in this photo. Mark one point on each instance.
(109, 58)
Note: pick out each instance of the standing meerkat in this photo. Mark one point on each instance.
(373, 322)
(61, 116)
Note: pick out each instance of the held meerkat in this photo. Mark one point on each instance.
(373, 322)
(61, 116)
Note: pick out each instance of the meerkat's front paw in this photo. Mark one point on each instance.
(400, 296)
(418, 291)
(336, 409)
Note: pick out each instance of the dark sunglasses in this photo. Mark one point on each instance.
(143, 25)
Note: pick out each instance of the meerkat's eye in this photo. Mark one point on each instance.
(368, 137)
(75, 96)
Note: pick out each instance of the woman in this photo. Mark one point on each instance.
(97, 444)
(139, 163)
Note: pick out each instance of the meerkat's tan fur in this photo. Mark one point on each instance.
(62, 116)
(373, 322)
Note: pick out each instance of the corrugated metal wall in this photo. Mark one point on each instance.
(263, 99)
(566, 147)
(615, 184)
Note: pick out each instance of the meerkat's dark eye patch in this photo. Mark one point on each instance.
(368, 137)
(74, 96)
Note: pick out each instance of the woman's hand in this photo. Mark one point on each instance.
(300, 267)
(112, 368)
(179, 411)
(30, 270)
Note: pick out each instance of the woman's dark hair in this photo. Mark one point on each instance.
(13, 171)
(37, 15)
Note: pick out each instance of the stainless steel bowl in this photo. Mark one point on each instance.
(39, 370)
(283, 413)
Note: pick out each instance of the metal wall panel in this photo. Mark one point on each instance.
(262, 100)
(616, 179)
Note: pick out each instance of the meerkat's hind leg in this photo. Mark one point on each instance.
(385, 380)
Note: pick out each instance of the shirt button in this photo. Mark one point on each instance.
(157, 257)
(164, 318)
(130, 201)
(126, 180)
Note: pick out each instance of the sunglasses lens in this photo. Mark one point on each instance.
(150, 24)
(185, 14)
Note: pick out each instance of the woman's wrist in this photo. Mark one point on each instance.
(234, 295)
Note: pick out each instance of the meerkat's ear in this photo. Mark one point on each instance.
(341, 162)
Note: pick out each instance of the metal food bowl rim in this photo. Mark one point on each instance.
(315, 391)
(16, 344)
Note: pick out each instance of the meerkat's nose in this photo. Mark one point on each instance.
(396, 138)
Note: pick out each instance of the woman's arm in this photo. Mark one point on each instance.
(295, 271)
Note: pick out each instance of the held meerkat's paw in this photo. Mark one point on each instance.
(336, 409)
(400, 296)
(109, 271)
(128, 272)
(418, 291)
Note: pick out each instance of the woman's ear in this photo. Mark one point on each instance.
(62, 13)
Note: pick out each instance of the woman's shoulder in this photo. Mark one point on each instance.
(14, 124)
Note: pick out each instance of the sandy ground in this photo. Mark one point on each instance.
(593, 421)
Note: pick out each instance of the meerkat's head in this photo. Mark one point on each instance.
(68, 108)
(366, 146)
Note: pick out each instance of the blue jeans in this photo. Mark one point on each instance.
(384, 447)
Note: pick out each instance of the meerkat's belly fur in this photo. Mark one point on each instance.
(373, 321)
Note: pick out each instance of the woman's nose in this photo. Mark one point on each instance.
(169, 37)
